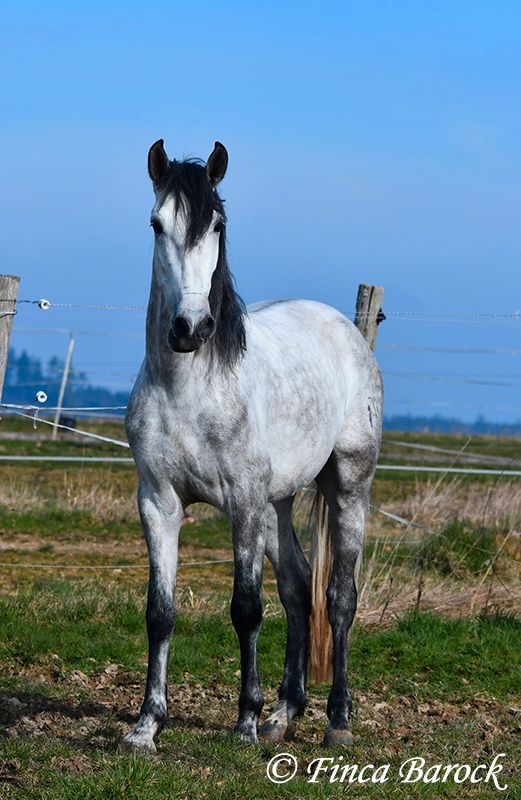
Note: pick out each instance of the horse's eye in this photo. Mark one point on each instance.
(156, 225)
(219, 226)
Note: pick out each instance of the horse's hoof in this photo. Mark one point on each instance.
(276, 731)
(338, 737)
(137, 744)
(272, 731)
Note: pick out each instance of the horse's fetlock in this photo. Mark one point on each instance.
(296, 698)
(251, 702)
(339, 706)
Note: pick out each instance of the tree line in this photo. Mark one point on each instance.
(27, 374)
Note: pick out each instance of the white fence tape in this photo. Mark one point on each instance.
(460, 453)
(505, 473)
(88, 459)
(36, 420)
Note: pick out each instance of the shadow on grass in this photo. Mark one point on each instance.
(27, 711)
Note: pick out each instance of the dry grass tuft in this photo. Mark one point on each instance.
(472, 529)
(493, 505)
(18, 497)
(105, 503)
(388, 602)
(76, 491)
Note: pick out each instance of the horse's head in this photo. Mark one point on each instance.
(188, 221)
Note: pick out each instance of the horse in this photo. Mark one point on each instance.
(240, 408)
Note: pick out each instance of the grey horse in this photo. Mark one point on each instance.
(241, 408)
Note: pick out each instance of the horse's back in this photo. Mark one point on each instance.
(315, 337)
(320, 380)
(294, 317)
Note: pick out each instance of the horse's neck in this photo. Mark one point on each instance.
(156, 330)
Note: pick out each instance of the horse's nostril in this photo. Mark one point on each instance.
(205, 328)
(181, 327)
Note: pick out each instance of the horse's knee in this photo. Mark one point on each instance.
(295, 594)
(342, 595)
(161, 615)
(246, 611)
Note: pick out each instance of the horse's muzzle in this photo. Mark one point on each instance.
(184, 337)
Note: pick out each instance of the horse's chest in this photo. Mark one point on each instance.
(195, 450)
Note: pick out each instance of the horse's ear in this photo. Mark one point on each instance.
(217, 164)
(158, 162)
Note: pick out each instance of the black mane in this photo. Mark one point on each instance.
(188, 183)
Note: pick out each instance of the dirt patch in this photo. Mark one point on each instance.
(91, 722)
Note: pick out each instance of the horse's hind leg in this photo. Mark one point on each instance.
(347, 496)
(293, 582)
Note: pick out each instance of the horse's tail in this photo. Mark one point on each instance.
(320, 635)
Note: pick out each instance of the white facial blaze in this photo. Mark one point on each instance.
(185, 275)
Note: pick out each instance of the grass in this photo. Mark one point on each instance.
(73, 656)
(73, 647)
(433, 656)
(503, 446)
(459, 548)
(89, 626)
(60, 522)
(209, 767)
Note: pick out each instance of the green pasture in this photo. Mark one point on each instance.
(435, 653)
(439, 682)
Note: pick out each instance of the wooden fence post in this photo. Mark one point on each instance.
(369, 311)
(8, 293)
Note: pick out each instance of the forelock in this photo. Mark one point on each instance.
(187, 183)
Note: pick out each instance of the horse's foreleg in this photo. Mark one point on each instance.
(249, 538)
(161, 516)
(293, 582)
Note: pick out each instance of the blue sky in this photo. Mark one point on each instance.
(369, 141)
